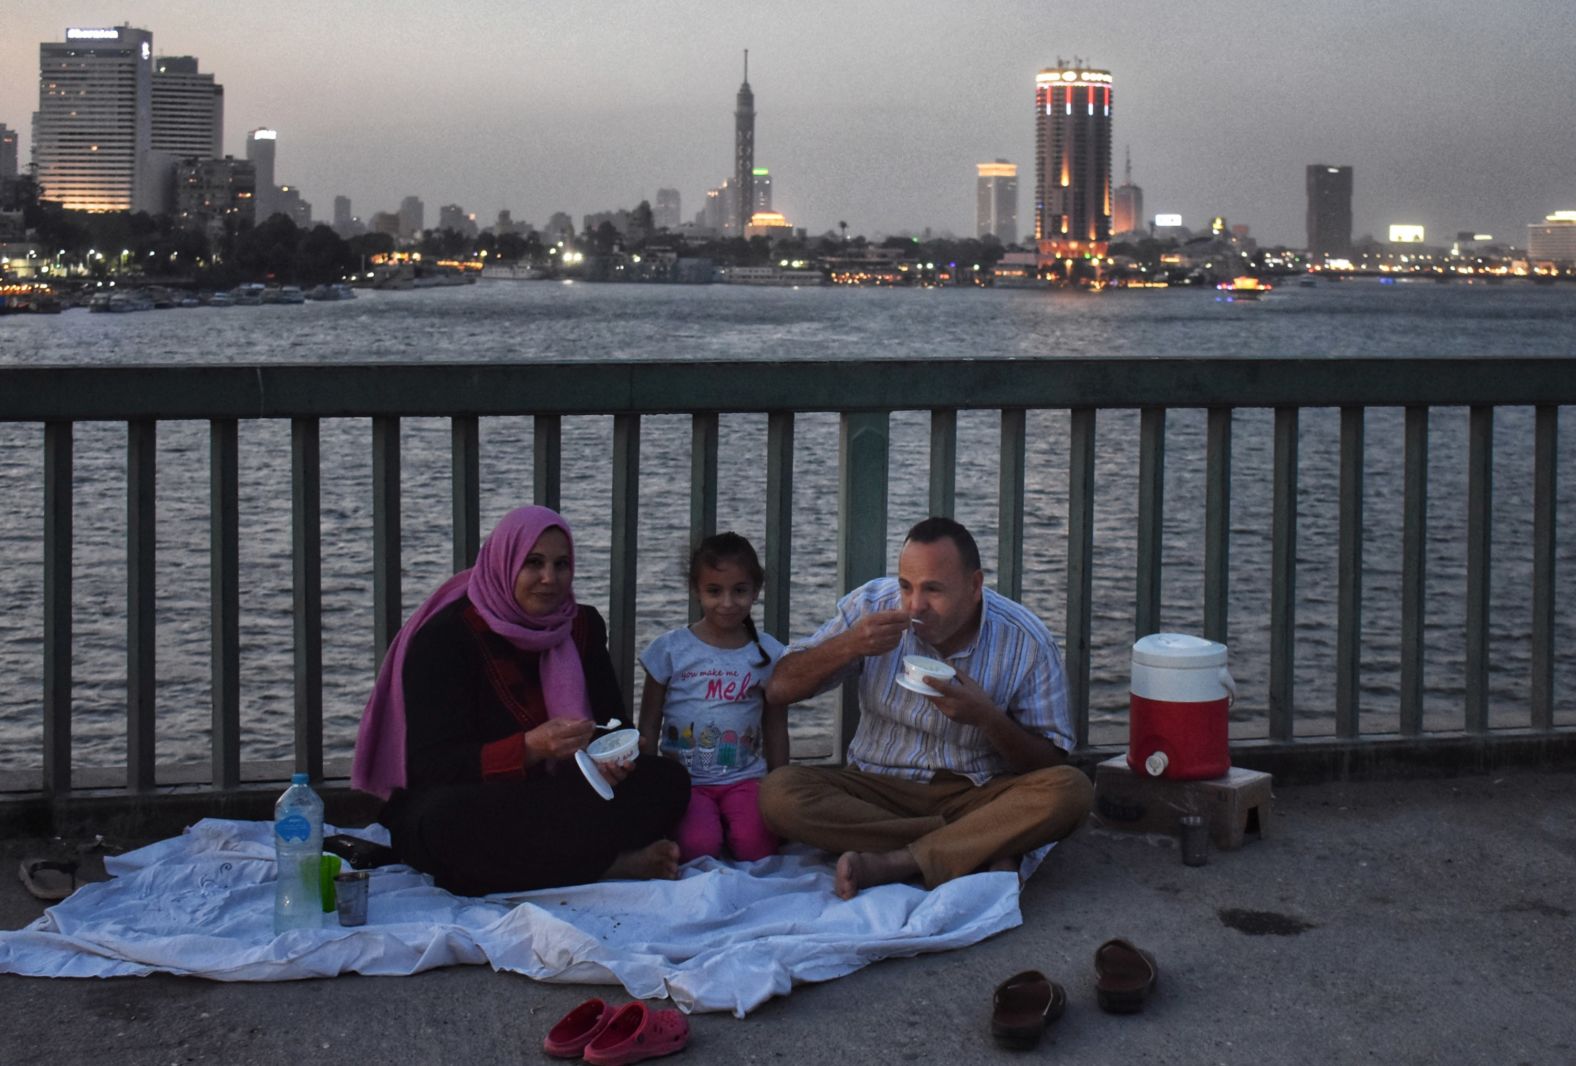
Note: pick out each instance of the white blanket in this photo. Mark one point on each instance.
(723, 937)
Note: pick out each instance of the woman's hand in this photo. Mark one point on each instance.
(557, 738)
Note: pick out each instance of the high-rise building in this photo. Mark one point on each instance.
(996, 200)
(288, 202)
(7, 153)
(667, 213)
(1127, 203)
(342, 215)
(412, 217)
(94, 125)
(260, 153)
(1554, 239)
(761, 179)
(1072, 189)
(188, 121)
(714, 214)
(454, 217)
(215, 194)
(1329, 212)
(743, 153)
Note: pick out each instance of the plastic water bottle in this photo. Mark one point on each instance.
(298, 849)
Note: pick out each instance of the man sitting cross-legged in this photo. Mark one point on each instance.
(936, 786)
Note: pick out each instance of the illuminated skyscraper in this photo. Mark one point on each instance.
(996, 200)
(1127, 203)
(94, 123)
(260, 151)
(1554, 239)
(1072, 189)
(1329, 212)
(743, 153)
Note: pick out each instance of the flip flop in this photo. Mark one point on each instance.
(636, 1033)
(568, 1038)
(1124, 976)
(49, 879)
(1024, 1005)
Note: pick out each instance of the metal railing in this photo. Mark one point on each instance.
(864, 395)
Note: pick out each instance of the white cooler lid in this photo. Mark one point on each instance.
(1179, 651)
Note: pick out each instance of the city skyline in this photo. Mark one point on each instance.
(540, 108)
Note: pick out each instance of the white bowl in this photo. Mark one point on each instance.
(614, 747)
(917, 668)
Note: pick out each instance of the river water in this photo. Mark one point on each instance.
(533, 322)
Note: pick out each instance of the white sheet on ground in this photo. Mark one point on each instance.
(722, 937)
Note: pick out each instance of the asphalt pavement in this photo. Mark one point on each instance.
(1427, 921)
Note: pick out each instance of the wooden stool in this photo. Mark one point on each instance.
(1234, 805)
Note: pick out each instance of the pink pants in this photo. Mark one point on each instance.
(731, 812)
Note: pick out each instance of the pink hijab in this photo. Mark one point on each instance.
(379, 765)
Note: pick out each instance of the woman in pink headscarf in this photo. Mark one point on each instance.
(483, 699)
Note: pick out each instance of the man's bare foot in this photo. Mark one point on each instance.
(865, 869)
(658, 861)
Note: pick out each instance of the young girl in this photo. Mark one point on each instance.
(704, 706)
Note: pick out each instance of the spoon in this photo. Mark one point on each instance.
(612, 723)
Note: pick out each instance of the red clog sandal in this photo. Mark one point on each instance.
(575, 1030)
(636, 1033)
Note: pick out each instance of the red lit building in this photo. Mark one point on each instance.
(1072, 189)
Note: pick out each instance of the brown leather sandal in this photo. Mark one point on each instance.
(1023, 1006)
(1124, 976)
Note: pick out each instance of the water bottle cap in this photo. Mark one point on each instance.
(299, 779)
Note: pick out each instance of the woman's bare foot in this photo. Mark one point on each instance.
(658, 861)
(865, 869)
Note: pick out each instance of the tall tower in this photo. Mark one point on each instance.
(996, 200)
(188, 120)
(260, 150)
(1329, 212)
(743, 154)
(94, 123)
(1127, 211)
(1072, 184)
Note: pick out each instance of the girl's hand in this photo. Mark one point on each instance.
(615, 772)
(557, 738)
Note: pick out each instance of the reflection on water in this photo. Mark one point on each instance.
(529, 322)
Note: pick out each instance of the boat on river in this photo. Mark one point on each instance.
(1245, 287)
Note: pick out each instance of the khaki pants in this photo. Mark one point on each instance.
(948, 824)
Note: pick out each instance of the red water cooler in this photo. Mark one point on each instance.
(1177, 723)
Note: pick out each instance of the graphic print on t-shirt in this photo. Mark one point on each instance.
(711, 713)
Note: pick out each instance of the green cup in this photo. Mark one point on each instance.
(327, 870)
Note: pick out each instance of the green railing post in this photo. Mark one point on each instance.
(623, 568)
(779, 522)
(703, 487)
(141, 539)
(224, 580)
(1009, 522)
(57, 608)
(306, 593)
(863, 446)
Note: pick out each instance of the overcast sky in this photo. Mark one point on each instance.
(1455, 114)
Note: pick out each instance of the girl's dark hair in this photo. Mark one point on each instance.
(719, 549)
